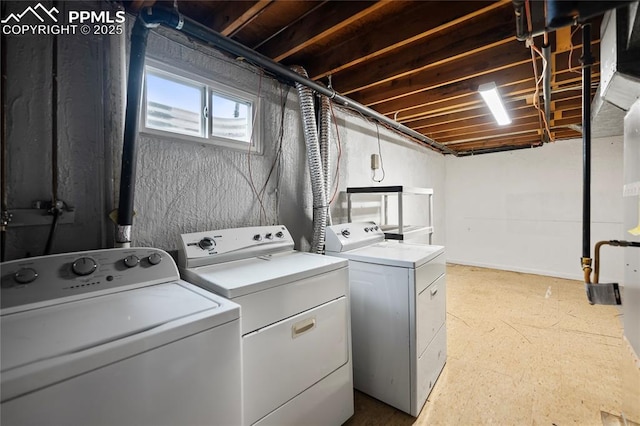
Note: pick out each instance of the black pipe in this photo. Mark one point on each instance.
(3, 145)
(130, 148)
(54, 144)
(587, 61)
(546, 89)
(496, 149)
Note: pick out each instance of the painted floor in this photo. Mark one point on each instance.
(524, 350)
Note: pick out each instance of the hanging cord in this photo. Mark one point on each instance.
(536, 96)
(336, 176)
(373, 172)
(276, 160)
(263, 211)
(571, 68)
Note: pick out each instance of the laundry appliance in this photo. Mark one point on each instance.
(296, 363)
(397, 313)
(114, 337)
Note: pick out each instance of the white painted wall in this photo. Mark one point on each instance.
(522, 210)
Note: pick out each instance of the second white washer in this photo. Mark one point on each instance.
(398, 313)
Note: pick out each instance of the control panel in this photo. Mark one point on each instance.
(49, 278)
(224, 245)
(350, 236)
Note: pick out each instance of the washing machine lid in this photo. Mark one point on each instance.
(68, 328)
(246, 276)
(394, 253)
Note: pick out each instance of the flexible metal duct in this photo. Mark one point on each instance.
(320, 208)
(325, 149)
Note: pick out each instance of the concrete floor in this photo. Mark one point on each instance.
(524, 350)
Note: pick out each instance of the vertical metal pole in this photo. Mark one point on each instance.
(349, 218)
(587, 61)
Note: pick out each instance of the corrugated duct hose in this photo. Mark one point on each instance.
(325, 149)
(320, 205)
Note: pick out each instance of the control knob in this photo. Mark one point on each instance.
(257, 237)
(207, 243)
(25, 275)
(280, 234)
(345, 233)
(84, 266)
(154, 258)
(269, 236)
(131, 261)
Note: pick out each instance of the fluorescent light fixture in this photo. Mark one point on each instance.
(491, 97)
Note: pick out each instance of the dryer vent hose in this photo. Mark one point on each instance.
(320, 204)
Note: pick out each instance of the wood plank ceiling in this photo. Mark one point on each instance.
(418, 62)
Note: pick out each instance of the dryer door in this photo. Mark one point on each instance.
(283, 359)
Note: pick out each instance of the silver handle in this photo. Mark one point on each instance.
(434, 291)
(302, 327)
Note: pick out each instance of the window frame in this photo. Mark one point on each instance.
(210, 87)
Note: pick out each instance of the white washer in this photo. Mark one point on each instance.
(114, 337)
(295, 321)
(397, 313)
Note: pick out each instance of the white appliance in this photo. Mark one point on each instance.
(296, 363)
(114, 337)
(397, 313)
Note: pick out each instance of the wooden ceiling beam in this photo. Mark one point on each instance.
(246, 12)
(484, 63)
(329, 19)
(480, 34)
(527, 126)
(415, 21)
(471, 126)
(418, 104)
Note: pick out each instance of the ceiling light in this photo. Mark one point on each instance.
(490, 94)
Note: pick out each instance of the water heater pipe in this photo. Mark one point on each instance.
(587, 61)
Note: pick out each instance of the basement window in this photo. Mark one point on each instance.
(181, 105)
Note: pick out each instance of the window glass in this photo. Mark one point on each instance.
(231, 118)
(186, 106)
(173, 106)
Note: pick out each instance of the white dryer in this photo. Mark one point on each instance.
(397, 313)
(114, 337)
(295, 317)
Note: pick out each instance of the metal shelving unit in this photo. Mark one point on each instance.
(400, 230)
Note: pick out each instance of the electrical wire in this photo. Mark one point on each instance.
(538, 80)
(263, 211)
(336, 177)
(571, 48)
(276, 161)
(373, 172)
